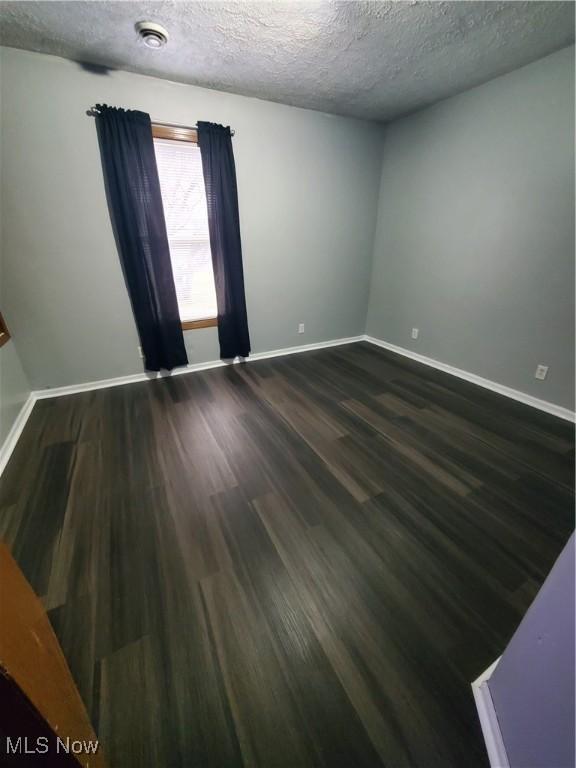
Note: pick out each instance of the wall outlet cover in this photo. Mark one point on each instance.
(415, 332)
(541, 372)
(301, 328)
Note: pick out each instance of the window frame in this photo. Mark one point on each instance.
(180, 133)
(4, 332)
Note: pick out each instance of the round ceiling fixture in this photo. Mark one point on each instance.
(152, 35)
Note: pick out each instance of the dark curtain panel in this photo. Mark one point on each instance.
(224, 225)
(135, 205)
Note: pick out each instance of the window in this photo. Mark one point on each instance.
(4, 335)
(184, 200)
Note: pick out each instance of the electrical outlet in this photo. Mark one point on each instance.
(301, 328)
(415, 332)
(141, 353)
(541, 372)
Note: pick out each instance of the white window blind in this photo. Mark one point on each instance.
(184, 199)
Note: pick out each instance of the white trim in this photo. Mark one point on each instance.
(489, 720)
(15, 431)
(501, 389)
(192, 368)
(12, 438)
(119, 381)
(41, 394)
(304, 348)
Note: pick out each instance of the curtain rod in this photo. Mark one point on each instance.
(92, 112)
(179, 125)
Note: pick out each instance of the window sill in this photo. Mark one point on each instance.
(207, 322)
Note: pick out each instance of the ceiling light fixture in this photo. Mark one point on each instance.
(152, 35)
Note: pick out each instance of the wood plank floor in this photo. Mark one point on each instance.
(299, 562)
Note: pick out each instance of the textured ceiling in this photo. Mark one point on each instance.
(376, 60)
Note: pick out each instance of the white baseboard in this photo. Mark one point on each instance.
(8, 446)
(41, 394)
(501, 389)
(120, 381)
(489, 720)
(15, 431)
(192, 368)
(305, 348)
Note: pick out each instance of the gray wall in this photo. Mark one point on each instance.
(14, 385)
(474, 243)
(475, 237)
(14, 388)
(532, 687)
(308, 190)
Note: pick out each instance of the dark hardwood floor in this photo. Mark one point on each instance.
(303, 561)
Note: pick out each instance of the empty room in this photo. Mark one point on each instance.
(287, 384)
